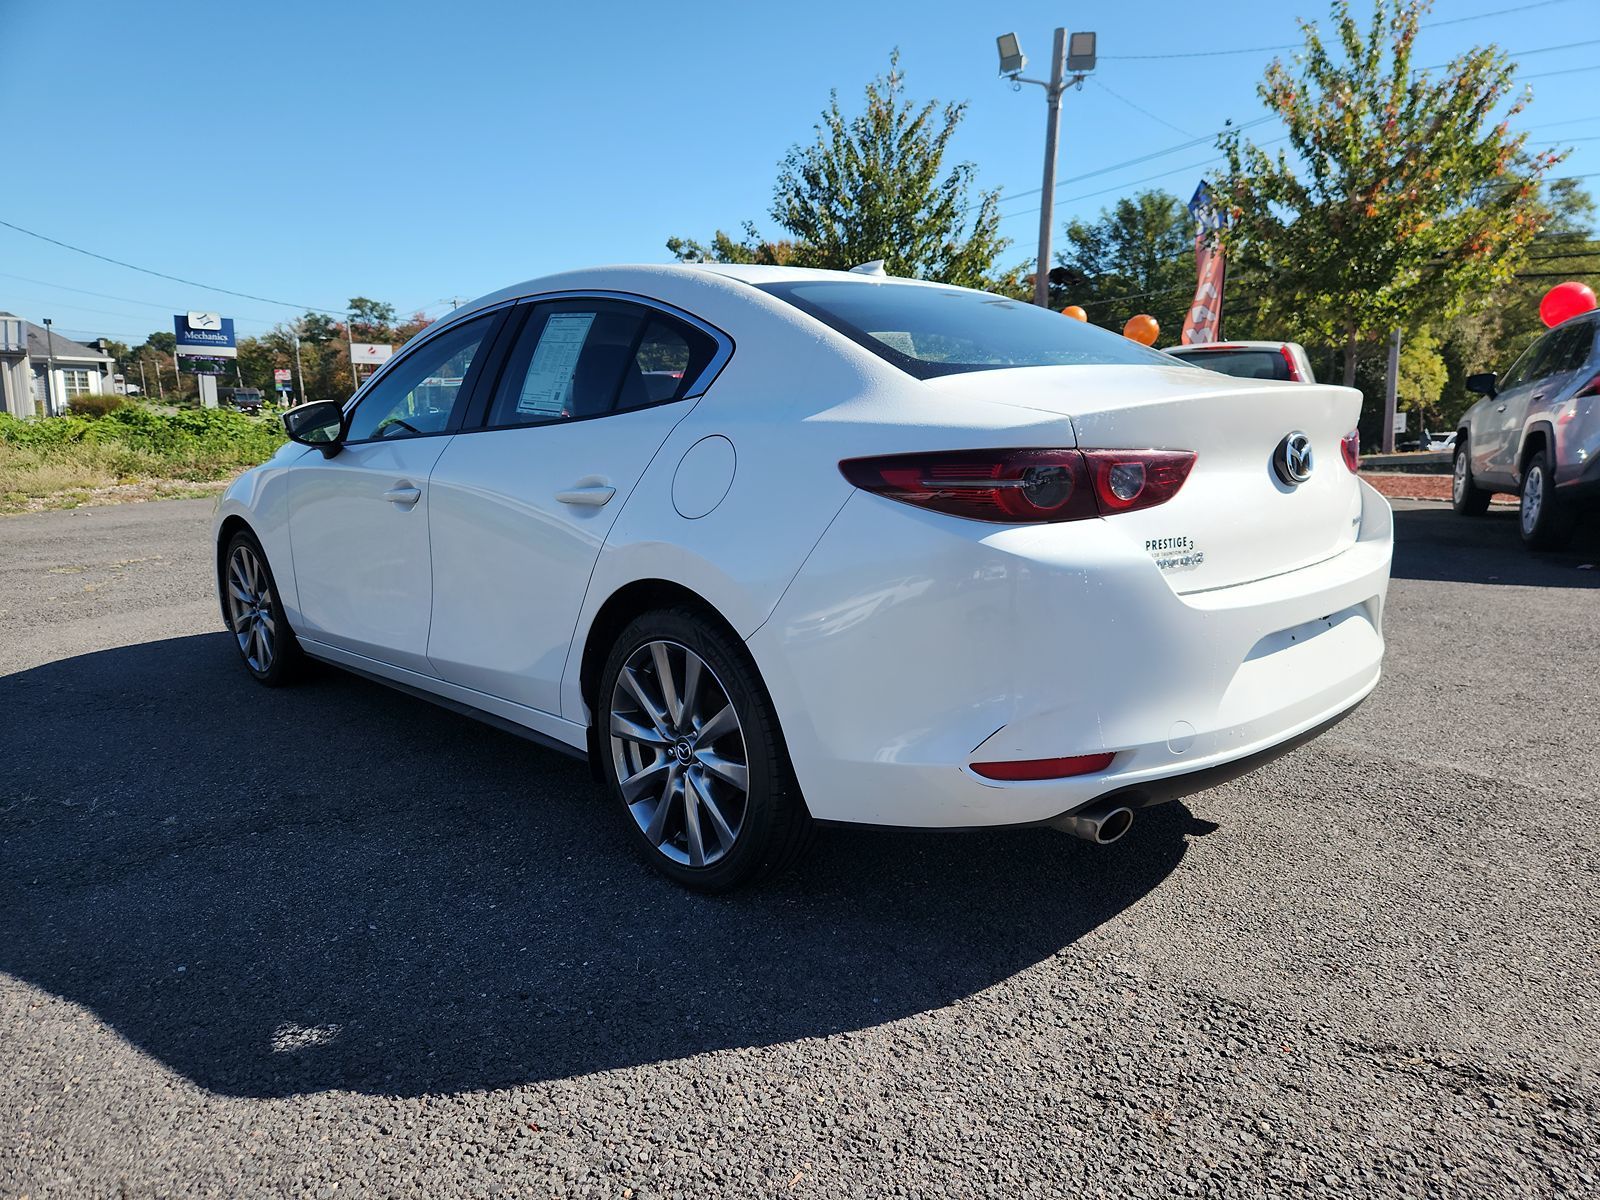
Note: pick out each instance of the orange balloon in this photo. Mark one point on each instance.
(1143, 329)
(1076, 313)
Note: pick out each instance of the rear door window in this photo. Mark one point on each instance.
(1568, 351)
(576, 359)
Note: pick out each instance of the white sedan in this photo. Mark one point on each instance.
(775, 546)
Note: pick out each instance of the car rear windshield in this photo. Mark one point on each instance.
(1241, 364)
(928, 331)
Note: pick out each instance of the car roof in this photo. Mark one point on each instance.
(639, 276)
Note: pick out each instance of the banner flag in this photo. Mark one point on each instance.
(1203, 323)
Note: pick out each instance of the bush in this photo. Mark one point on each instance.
(198, 444)
(94, 404)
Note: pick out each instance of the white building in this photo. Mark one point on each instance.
(29, 352)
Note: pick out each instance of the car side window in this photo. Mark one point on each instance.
(420, 393)
(587, 358)
(1522, 370)
(671, 356)
(1571, 349)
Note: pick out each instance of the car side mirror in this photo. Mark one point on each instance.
(1483, 384)
(319, 424)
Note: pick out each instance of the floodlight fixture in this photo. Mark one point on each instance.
(1080, 52)
(1012, 59)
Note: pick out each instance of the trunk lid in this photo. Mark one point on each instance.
(1235, 520)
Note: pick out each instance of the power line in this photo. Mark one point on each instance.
(109, 296)
(1547, 74)
(1116, 95)
(1214, 159)
(174, 278)
(1133, 162)
(1297, 45)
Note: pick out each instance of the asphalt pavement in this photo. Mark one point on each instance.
(331, 940)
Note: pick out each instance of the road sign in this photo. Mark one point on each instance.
(204, 334)
(367, 354)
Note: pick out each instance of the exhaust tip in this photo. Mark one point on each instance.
(1101, 825)
(1114, 824)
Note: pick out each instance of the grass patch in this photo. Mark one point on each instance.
(130, 452)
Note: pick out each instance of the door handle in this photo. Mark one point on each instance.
(403, 495)
(1502, 408)
(593, 494)
(1537, 396)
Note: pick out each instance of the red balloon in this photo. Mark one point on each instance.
(1565, 301)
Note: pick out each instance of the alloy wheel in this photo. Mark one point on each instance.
(250, 608)
(1460, 481)
(1532, 499)
(679, 753)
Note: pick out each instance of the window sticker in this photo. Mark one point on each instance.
(547, 388)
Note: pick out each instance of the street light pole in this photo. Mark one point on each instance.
(1052, 137)
(49, 369)
(1075, 54)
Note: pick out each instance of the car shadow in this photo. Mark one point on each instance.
(1435, 543)
(337, 886)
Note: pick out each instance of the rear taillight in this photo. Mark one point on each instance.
(1128, 479)
(1592, 388)
(1025, 486)
(1350, 449)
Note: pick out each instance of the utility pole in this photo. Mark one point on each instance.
(350, 340)
(1077, 55)
(49, 369)
(144, 386)
(294, 332)
(1391, 389)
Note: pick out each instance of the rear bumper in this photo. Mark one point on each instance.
(1582, 486)
(911, 645)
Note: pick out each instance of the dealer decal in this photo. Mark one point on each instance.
(1174, 553)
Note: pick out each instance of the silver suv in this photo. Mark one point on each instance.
(1537, 433)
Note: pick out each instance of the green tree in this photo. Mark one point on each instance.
(371, 320)
(873, 186)
(1137, 257)
(1404, 200)
(724, 249)
(1422, 377)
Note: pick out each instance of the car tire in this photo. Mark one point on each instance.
(1466, 497)
(253, 613)
(671, 755)
(1544, 521)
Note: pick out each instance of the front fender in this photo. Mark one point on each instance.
(260, 498)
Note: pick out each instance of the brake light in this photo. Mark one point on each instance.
(1350, 449)
(1023, 486)
(1288, 358)
(1043, 768)
(1592, 388)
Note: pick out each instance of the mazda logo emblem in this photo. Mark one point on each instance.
(1292, 459)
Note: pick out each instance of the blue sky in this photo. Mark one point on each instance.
(310, 151)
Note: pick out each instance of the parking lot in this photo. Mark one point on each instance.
(269, 942)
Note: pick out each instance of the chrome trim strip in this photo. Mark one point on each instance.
(702, 382)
